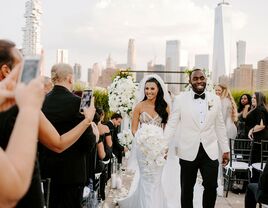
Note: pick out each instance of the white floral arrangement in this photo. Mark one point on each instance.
(122, 94)
(125, 138)
(152, 145)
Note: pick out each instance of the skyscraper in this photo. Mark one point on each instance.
(240, 52)
(202, 61)
(160, 67)
(222, 41)
(110, 62)
(32, 31)
(77, 72)
(243, 77)
(131, 54)
(262, 75)
(62, 56)
(173, 64)
(131, 58)
(94, 74)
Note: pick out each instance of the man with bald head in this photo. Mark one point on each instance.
(68, 170)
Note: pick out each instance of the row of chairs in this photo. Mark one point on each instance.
(45, 185)
(240, 166)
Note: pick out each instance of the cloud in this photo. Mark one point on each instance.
(239, 20)
(111, 23)
(106, 26)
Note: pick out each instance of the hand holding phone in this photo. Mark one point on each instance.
(31, 69)
(85, 100)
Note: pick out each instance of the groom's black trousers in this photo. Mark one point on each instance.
(209, 171)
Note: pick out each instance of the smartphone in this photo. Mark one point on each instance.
(85, 99)
(31, 69)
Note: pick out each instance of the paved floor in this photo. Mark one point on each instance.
(233, 200)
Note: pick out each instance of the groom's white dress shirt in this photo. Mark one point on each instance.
(200, 105)
(197, 121)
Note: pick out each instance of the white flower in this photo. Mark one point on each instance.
(125, 138)
(152, 145)
(210, 104)
(122, 94)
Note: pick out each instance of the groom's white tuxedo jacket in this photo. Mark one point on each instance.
(184, 120)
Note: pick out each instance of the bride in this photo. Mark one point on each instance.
(149, 118)
(156, 183)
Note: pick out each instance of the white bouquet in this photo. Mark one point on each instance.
(153, 146)
(122, 94)
(125, 138)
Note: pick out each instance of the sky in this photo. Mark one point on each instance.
(93, 29)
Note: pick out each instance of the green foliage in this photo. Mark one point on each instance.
(101, 100)
(79, 86)
(122, 74)
(237, 94)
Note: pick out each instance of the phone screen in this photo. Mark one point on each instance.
(85, 99)
(30, 70)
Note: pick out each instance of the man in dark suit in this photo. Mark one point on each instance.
(258, 192)
(113, 125)
(68, 170)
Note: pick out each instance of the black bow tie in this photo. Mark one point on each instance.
(202, 96)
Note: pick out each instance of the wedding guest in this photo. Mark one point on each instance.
(256, 128)
(17, 161)
(113, 125)
(105, 136)
(229, 113)
(244, 107)
(258, 192)
(197, 115)
(68, 170)
(229, 110)
(47, 133)
(105, 132)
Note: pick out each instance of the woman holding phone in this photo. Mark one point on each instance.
(47, 134)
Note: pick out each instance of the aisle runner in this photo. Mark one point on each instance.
(114, 194)
(127, 176)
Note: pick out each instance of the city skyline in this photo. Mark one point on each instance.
(93, 30)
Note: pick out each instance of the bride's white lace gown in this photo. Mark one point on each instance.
(147, 192)
(158, 186)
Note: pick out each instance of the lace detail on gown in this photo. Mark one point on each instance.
(148, 119)
(149, 191)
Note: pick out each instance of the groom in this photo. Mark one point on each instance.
(196, 117)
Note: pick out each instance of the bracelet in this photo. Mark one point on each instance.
(253, 130)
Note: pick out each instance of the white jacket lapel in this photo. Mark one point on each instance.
(191, 106)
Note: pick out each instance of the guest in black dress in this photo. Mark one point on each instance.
(48, 135)
(244, 107)
(256, 127)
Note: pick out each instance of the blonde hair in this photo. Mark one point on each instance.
(60, 72)
(226, 93)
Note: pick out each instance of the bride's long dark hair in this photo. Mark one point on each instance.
(160, 103)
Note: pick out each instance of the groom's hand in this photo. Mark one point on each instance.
(225, 158)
